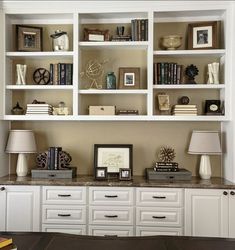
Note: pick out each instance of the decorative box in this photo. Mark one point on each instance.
(54, 174)
(182, 174)
(101, 110)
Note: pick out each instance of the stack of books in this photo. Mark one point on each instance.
(121, 38)
(39, 109)
(166, 167)
(187, 109)
(127, 112)
(139, 30)
(61, 74)
(53, 158)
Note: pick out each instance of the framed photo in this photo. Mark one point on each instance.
(101, 173)
(203, 35)
(29, 38)
(213, 107)
(113, 157)
(124, 174)
(96, 35)
(129, 78)
(163, 102)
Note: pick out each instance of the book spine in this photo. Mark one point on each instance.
(62, 74)
(158, 73)
(170, 169)
(166, 67)
(133, 30)
(48, 159)
(142, 36)
(55, 74)
(139, 29)
(162, 73)
(51, 73)
(52, 158)
(58, 73)
(175, 73)
(57, 158)
(155, 78)
(136, 30)
(146, 29)
(169, 74)
(68, 70)
(172, 72)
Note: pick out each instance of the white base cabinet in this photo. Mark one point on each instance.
(209, 212)
(20, 208)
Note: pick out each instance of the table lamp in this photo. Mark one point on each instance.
(21, 142)
(205, 143)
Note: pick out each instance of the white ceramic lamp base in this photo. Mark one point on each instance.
(22, 165)
(205, 167)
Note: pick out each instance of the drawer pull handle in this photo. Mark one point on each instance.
(52, 175)
(111, 196)
(110, 235)
(232, 193)
(159, 217)
(111, 216)
(2, 188)
(64, 195)
(159, 197)
(64, 215)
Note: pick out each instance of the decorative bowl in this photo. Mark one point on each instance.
(171, 42)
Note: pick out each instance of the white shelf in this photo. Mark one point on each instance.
(40, 54)
(167, 118)
(40, 87)
(115, 45)
(189, 86)
(112, 91)
(181, 53)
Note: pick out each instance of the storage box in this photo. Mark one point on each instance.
(54, 174)
(101, 110)
(182, 174)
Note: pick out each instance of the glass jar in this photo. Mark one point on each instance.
(111, 80)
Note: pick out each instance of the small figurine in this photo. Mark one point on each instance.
(60, 41)
(17, 110)
(191, 71)
(61, 109)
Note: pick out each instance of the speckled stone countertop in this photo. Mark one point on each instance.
(137, 181)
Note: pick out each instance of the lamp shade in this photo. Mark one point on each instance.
(21, 141)
(205, 142)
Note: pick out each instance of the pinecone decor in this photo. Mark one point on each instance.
(166, 154)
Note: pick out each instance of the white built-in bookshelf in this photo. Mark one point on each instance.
(141, 54)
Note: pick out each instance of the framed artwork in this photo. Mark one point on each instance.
(213, 107)
(101, 173)
(113, 157)
(203, 35)
(129, 78)
(96, 35)
(29, 38)
(125, 174)
(163, 102)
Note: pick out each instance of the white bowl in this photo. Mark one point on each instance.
(171, 42)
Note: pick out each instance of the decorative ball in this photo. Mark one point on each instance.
(184, 100)
(166, 154)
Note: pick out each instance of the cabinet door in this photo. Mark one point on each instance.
(206, 212)
(2, 208)
(22, 208)
(232, 214)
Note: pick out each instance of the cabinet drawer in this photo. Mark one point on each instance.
(64, 214)
(166, 197)
(68, 229)
(110, 231)
(111, 215)
(64, 195)
(159, 216)
(151, 231)
(110, 196)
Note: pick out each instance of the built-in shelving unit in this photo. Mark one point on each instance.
(118, 54)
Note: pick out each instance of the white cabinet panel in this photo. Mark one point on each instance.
(206, 212)
(69, 229)
(151, 231)
(232, 213)
(64, 214)
(111, 215)
(64, 195)
(2, 208)
(110, 196)
(111, 231)
(166, 197)
(159, 216)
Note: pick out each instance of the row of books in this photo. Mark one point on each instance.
(166, 167)
(61, 74)
(139, 30)
(53, 158)
(167, 73)
(187, 109)
(39, 109)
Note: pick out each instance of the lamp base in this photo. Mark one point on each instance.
(22, 165)
(205, 167)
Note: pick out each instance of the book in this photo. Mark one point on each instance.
(62, 74)
(166, 164)
(5, 242)
(185, 106)
(166, 169)
(57, 157)
(52, 158)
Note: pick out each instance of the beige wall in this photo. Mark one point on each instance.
(78, 139)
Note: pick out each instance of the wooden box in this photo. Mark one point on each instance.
(101, 110)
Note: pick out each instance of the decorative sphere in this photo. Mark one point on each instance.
(184, 100)
(171, 42)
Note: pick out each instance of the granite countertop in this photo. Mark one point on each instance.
(137, 181)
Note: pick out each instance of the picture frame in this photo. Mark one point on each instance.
(203, 35)
(29, 38)
(163, 102)
(213, 107)
(124, 174)
(129, 78)
(101, 173)
(96, 35)
(114, 157)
